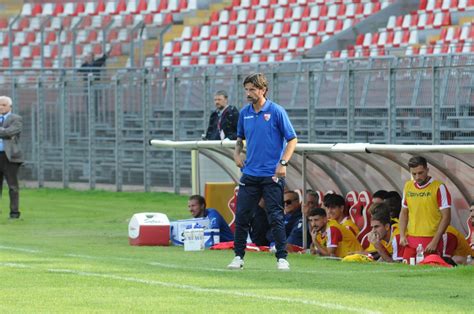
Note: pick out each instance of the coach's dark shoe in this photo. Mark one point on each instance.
(15, 216)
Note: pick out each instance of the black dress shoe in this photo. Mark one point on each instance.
(14, 217)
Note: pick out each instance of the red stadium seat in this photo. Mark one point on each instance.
(80, 8)
(351, 199)
(3, 22)
(470, 231)
(58, 9)
(163, 6)
(37, 9)
(50, 37)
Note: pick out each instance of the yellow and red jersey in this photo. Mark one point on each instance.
(321, 238)
(397, 250)
(386, 245)
(350, 225)
(424, 205)
(339, 237)
(454, 243)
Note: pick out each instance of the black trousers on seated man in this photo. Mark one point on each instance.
(9, 171)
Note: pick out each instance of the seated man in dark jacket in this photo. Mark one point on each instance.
(223, 121)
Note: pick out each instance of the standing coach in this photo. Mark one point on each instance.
(10, 153)
(271, 141)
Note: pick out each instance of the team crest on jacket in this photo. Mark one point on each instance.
(267, 116)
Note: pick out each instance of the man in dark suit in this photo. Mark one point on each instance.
(10, 152)
(223, 121)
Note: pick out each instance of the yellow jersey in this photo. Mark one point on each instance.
(397, 250)
(424, 205)
(339, 237)
(462, 247)
(386, 245)
(350, 225)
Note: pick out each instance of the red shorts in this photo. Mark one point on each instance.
(410, 249)
(450, 243)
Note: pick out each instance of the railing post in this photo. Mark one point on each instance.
(392, 109)
(118, 134)
(73, 43)
(311, 108)
(146, 129)
(176, 174)
(40, 134)
(162, 34)
(436, 109)
(10, 39)
(304, 225)
(65, 132)
(132, 42)
(350, 106)
(91, 114)
(195, 180)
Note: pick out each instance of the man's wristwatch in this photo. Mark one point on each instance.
(283, 162)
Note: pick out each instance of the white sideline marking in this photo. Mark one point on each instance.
(11, 248)
(207, 290)
(15, 265)
(197, 288)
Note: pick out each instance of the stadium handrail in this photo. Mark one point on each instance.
(336, 148)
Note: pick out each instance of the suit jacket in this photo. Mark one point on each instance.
(229, 120)
(10, 134)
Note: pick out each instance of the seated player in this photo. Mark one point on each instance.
(380, 236)
(455, 246)
(379, 196)
(197, 208)
(340, 242)
(317, 220)
(335, 204)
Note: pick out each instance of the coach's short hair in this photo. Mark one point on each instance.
(416, 161)
(201, 200)
(258, 80)
(7, 99)
(221, 93)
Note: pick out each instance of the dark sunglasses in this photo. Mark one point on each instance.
(288, 202)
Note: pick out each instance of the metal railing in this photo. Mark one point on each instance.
(94, 128)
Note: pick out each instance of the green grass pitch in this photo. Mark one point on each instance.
(70, 254)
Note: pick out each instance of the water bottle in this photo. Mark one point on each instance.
(419, 253)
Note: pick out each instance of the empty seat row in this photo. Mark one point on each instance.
(229, 59)
(358, 52)
(315, 12)
(445, 5)
(457, 34)
(260, 30)
(66, 37)
(107, 8)
(33, 23)
(246, 4)
(467, 47)
(419, 21)
(387, 39)
(241, 46)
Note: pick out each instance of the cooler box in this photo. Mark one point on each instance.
(149, 229)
